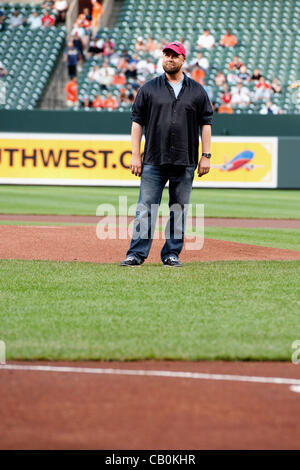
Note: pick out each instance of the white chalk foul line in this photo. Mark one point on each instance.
(152, 373)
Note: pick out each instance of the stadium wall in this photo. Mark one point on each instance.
(285, 127)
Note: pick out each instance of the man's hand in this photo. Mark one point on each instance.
(203, 166)
(136, 164)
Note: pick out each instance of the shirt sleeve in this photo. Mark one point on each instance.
(205, 110)
(138, 113)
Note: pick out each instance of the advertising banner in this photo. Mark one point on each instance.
(104, 160)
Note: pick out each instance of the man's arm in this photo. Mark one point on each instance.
(204, 163)
(136, 159)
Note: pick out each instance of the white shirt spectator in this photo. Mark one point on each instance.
(16, 20)
(232, 78)
(240, 95)
(34, 22)
(94, 73)
(145, 67)
(77, 30)
(61, 5)
(201, 61)
(270, 108)
(105, 75)
(159, 67)
(206, 40)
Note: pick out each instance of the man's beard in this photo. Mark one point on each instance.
(171, 69)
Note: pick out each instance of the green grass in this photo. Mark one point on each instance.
(288, 239)
(84, 201)
(219, 310)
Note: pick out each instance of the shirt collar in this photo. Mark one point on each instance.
(167, 81)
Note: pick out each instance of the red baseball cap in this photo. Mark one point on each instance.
(176, 47)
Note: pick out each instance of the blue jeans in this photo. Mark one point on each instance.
(153, 181)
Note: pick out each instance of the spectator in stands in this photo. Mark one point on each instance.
(71, 89)
(108, 47)
(275, 86)
(61, 8)
(34, 21)
(225, 109)
(110, 102)
(226, 96)
(220, 78)
(131, 71)
(82, 32)
(97, 102)
(2, 18)
(235, 64)
(263, 90)
(48, 5)
(119, 79)
(151, 45)
(96, 47)
(159, 67)
(243, 75)
(197, 74)
(16, 20)
(97, 12)
(135, 58)
(77, 42)
(256, 75)
(145, 67)
(94, 74)
(232, 78)
(228, 40)
(83, 25)
(85, 103)
(140, 46)
(48, 20)
(3, 70)
(71, 56)
(105, 75)
(207, 89)
(125, 55)
(201, 61)
(114, 59)
(270, 108)
(186, 44)
(240, 95)
(123, 98)
(205, 40)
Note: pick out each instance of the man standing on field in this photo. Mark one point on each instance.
(172, 107)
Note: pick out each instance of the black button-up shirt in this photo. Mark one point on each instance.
(171, 125)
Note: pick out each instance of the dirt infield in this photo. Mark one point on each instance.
(61, 410)
(80, 243)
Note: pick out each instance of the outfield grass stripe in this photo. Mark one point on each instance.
(253, 203)
(154, 373)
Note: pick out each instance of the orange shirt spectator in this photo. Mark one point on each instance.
(197, 74)
(97, 102)
(228, 40)
(235, 64)
(225, 109)
(97, 12)
(119, 79)
(71, 89)
(110, 102)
